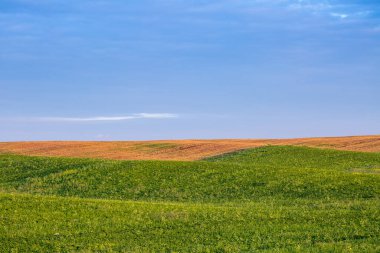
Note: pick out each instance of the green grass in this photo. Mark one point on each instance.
(154, 147)
(59, 224)
(302, 157)
(274, 199)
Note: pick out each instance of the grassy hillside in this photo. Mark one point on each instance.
(302, 157)
(266, 199)
(47, 224)
(281, 172)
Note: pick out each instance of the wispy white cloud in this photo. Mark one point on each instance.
(339, 15)
(309, 6)
(105, 118)
(332, 9)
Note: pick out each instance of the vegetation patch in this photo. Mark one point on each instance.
(269, 199)
(154, 147)
(370, 171)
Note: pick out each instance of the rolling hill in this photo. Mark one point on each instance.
(266, 199)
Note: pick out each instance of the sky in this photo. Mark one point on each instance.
(186, 69)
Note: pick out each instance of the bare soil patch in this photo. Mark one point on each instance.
(182, 150)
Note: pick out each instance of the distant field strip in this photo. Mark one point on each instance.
(181, 150)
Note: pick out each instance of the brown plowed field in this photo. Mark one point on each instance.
(183, 150)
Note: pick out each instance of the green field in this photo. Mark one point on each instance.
(269, 199)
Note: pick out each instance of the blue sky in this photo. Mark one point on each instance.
(174, 69)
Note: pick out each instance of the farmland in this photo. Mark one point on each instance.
(266, 199)
(178, 150)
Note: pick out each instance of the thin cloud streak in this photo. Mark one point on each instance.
(339, 15)
(107, 118)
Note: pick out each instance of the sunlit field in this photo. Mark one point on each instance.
(274, 199)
